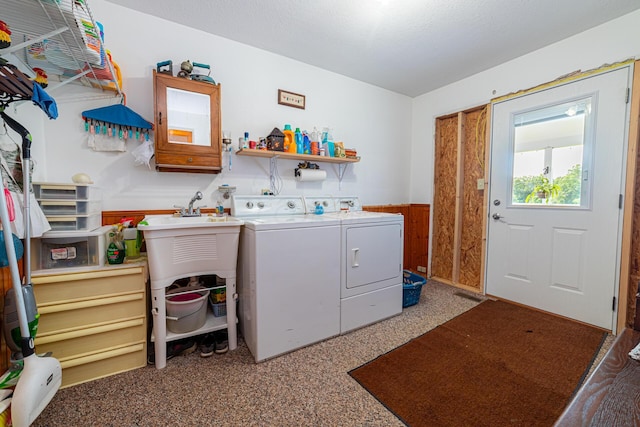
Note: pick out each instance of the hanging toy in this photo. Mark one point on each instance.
(5, 35)
(41, 77)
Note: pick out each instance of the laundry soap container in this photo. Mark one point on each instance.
(186, 308)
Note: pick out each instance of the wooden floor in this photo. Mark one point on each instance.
(611, 396)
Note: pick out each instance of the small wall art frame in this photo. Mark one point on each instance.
(291, 99)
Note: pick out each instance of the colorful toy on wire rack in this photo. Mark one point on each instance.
(5, 35)
(41, 77)
(103, 78)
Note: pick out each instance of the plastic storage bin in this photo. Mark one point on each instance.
(70, 207)
(69, 249)
(219, 308)
(411, 288)
(45, 190)
(75, 222)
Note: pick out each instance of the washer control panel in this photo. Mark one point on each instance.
(244, 206)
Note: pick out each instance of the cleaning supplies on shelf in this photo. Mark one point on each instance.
(289, 140)
(306, 143)
(116, 250)
(130, 235)
(327, 142)
(299, 141)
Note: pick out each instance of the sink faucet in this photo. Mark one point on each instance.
(190, 211)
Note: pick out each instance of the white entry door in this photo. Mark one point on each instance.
(557, 169)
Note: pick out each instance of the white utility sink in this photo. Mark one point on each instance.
(164, 222)
(179, 247)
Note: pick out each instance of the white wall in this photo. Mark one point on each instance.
(393, 133)
(375, 121)
(614, 41)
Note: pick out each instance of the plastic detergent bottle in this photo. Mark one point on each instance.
(306, 143)
(314, 138)
(327, 142)
(289, 142)
(115, 250)
(299, 142)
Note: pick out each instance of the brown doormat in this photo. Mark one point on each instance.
(497, 364)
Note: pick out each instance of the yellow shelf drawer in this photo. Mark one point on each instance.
(94, 339)
(82, 314)
(63, 288)
(100, 365)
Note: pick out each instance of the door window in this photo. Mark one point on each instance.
(551, 155)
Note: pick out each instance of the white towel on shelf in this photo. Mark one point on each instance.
(635, 353)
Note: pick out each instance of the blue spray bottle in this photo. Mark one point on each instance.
(299, 141)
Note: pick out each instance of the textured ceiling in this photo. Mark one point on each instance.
(406, 46)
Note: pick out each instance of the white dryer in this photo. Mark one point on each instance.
(371, 260)
(288, 274)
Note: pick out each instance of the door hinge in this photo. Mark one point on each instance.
(628, 96)
(613, 305)
(620, 201)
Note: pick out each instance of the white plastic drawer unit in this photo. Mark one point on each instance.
(70, 207)
(45, 190)
(75, 222)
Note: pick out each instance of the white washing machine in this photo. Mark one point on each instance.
(371, 260)
(288, 274)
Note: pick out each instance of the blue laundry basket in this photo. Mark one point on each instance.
(411, 288)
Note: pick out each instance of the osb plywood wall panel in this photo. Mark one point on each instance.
(444, 197)
(472, 198)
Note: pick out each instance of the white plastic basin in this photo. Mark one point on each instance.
(165, 222)
(190, 246)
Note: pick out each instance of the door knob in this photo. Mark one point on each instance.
(496, 216)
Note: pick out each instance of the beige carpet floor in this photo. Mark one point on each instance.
(307, 387)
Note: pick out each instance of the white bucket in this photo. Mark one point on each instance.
(186, 309)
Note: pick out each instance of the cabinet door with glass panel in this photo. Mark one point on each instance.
(187, 119)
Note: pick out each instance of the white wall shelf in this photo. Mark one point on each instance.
(293, 156)
(342, 162)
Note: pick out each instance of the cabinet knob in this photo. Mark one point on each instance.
(190, 160)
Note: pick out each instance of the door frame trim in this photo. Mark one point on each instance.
(629, 201)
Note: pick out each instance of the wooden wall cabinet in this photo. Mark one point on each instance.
(187, 125)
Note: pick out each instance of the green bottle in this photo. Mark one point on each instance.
(115, 253)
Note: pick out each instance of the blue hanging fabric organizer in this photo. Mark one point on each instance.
(117, 121)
